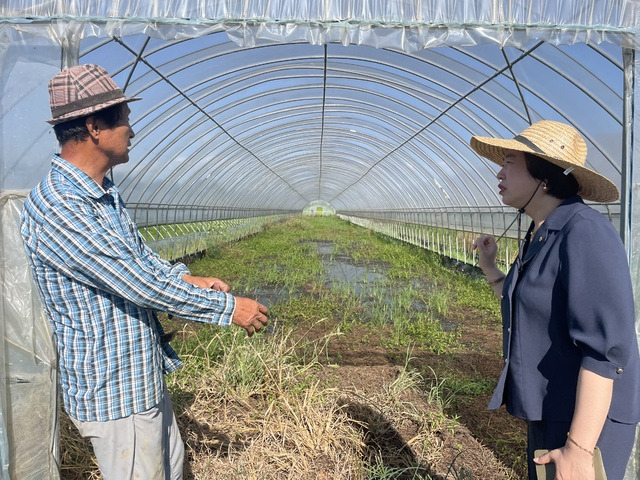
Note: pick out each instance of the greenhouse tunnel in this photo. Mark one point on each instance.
(255, 111)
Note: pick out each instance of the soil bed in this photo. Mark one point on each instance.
(404, 349)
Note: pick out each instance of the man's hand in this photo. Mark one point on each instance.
(207, 282)
(250, 315)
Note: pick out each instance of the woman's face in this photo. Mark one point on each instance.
(516, 183)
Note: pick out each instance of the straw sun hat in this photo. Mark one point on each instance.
(559, 144)
(82, 90)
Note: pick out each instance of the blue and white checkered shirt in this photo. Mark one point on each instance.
(100, 286)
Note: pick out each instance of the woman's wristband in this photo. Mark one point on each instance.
(496, 281)
(590, 452)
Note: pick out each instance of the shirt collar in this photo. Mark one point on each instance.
(562, 213)
(81, 179)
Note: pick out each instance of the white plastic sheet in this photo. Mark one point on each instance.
(28, 420)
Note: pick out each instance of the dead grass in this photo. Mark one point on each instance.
(283, 418)
(305, 435)
(325, 399)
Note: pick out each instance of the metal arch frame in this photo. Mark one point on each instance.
(324, 105)
(425, 127)
(283, 147)
(378, 190)
(180, 125)
(178, 195)
(233, 179)
(228, 157)
(224, 179)
(586, 135)
(354, 159)
(364, 163)
(531, 89)
(532, 54)
(574, 81)
(183, 94)
(382, 76)
(439, 147)
(289, 138)
(171, 98)
(193, 161)
(388, 65)
(189, 161)
(201, 120)
(176, 128)
(197, 192)
(441, 177)
(445, 178)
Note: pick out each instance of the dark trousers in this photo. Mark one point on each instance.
(615, 443)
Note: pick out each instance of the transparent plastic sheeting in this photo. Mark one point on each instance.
(339, 102)
(279, 126)
(28, 446)
(633, 243)
(407, 25)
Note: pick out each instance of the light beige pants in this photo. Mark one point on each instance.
(142, 446)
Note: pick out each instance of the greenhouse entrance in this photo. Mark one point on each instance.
(354, 116)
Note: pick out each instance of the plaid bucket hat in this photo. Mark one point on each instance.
(558, 143)
(82, 90)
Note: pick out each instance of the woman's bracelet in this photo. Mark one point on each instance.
(579, 446)
(496, 281)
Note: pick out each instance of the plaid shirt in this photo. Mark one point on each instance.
(100, 287)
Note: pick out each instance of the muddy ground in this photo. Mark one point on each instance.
(360, 360)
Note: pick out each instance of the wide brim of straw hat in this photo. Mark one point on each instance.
(559, 144)
(83, 112)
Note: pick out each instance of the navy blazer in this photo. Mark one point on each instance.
(568, 303)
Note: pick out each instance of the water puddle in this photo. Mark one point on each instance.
(270, 295)
(378, 294)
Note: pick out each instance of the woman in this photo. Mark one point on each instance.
(571, 358)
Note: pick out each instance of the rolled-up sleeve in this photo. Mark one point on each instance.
(600, 308)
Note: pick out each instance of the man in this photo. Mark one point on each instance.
(101, 287)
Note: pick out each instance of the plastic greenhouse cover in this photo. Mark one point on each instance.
(417, 24)
(320, 108)
(357, 105)
(29, 362)
(333, 123)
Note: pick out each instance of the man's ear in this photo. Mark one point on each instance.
(92, 126)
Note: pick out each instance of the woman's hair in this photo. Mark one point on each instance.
(77, 130)
(558, 184)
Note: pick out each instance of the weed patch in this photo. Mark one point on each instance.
(364, 372)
